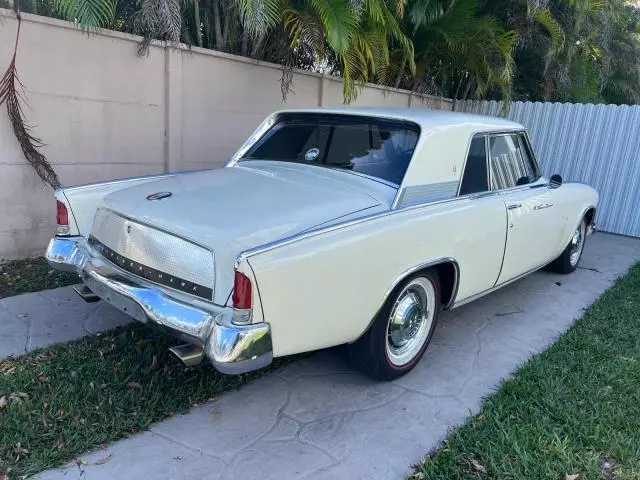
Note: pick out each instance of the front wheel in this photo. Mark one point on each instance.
(402, 330)
(568, 260)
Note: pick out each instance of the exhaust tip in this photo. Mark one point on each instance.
(86, 293)
(188, 354)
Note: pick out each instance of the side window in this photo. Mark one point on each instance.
(507, 164)
(474, 178)
(527, 157)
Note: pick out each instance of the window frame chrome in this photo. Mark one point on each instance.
(497, 133)
(536, 183)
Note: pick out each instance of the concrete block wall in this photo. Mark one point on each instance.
(105, 113)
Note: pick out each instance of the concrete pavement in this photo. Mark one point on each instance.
(318, 418)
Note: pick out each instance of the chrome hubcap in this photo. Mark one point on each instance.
(410, 321)
(577, 243)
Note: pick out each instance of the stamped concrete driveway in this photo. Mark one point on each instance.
(318, 418)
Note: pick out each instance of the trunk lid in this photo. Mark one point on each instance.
(241, 206)
(230, 210)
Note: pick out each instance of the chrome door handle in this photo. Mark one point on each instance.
(540, 206)
(513, 206)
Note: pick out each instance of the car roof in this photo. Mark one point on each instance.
(424, 117)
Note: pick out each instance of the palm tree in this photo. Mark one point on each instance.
(463, 50)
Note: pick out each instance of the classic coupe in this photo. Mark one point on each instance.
(328, 227)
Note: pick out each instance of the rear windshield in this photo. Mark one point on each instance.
(371, 146)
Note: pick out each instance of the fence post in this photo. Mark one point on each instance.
(321, 91)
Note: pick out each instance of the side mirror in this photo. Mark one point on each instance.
(555, 181)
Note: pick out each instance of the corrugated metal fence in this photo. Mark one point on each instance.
(594, 144)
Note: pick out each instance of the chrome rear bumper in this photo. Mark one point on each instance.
(232, 349)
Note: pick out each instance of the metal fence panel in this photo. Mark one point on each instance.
(594, 144)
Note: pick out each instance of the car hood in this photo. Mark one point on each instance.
(233, 209)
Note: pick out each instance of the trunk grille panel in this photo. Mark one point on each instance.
(153, 254)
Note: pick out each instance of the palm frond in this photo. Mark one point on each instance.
(258, 16)
(304, 28)
(157, 19)
(89, 14)
(10, 93)
(425, 12)
(404, 42)
(339, 21)
(545, 18)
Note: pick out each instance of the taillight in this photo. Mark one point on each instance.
(62, 218)
(241, 299)
(241, 291)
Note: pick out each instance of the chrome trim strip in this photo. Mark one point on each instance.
(232, 349)
(396, 281)
(470, 299)
(320, 225)
(257, 134)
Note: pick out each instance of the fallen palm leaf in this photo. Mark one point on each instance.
(103, 460)
(478, 467)
(16, 397)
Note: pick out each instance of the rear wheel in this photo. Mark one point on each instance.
(402, 330)
(568, 260)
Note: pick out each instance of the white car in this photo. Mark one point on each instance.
(327, 227)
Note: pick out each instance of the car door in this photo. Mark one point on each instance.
(535, 224)
(485, 245)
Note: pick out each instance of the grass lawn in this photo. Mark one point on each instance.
(31, 275)
(572, 412)
(59, 402)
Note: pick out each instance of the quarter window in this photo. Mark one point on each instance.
(474, 178)
(508, 165)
